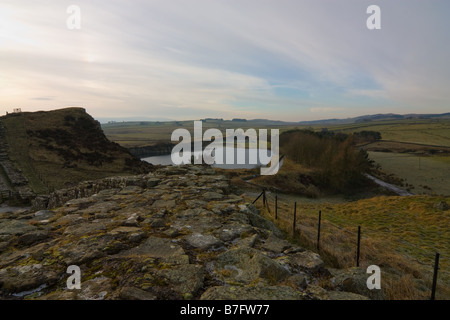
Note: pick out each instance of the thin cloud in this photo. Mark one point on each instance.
(290, 60)
(43, 98)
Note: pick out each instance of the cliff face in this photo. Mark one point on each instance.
(175, 233)
(62, 147)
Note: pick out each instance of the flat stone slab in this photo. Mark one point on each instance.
(132, 293)
(85, 228)
(15, 227)
(246, 265)
(210, 196)
(184, 279)
(159, 248)
(124, 230)
(28, 277)
(203, 242)
(275, 244)
(341, 295)
(251, 293)
(302, 261)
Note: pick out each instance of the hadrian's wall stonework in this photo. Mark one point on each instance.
(176, 233)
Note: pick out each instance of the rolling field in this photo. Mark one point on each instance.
(422, 131)
(427, 131)
(399, 234)
(419, 152)
(135, 134)
(427, 174)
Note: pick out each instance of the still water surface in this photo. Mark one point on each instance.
(166, 160)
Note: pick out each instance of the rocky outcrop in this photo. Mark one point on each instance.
(354, 280)
(58, 148)
(11, 178)
(176, 233)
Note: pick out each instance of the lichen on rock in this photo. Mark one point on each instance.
(175, 233)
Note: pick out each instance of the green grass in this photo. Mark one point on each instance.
(427, 174)
(132, 134)
(426, 131)
(400, 234)
(19, 153)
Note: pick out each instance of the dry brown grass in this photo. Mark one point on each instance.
(404, 276)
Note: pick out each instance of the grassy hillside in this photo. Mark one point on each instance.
(413, 151)
(399, 234)
(424, 131)
(58, 148)
(147, 133)
(423, 174)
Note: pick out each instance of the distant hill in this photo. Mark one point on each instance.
(377, 117)
(365, 118)
(63, 147)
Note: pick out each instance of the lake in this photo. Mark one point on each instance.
(166, 160)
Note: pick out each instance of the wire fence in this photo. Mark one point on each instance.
(347, 246)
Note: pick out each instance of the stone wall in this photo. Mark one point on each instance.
(11, 178)
(177, 233)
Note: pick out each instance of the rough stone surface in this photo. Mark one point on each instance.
(203, 242)
(33, 237)
(184, 279)
(159, 248)
(176, 233)
(355, 280)
(132, 293)
(275, 244)
(96, 289)
(341, 295)
(15, 227)
(251, 293)
(22, 278)
(257, 221)
(245, 265)
(302, 261)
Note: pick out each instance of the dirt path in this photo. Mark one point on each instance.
(389, 186)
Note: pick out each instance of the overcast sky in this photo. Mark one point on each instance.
(187, 59)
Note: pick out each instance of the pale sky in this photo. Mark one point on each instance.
(291, 60)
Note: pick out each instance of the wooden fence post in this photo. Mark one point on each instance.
(358, 246)
(264, 197)
(276, 207)
(295, 217)
(258, 197)
(318, 230)
(267, 203)
(436, 268)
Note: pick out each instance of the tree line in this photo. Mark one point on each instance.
(336, 163)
